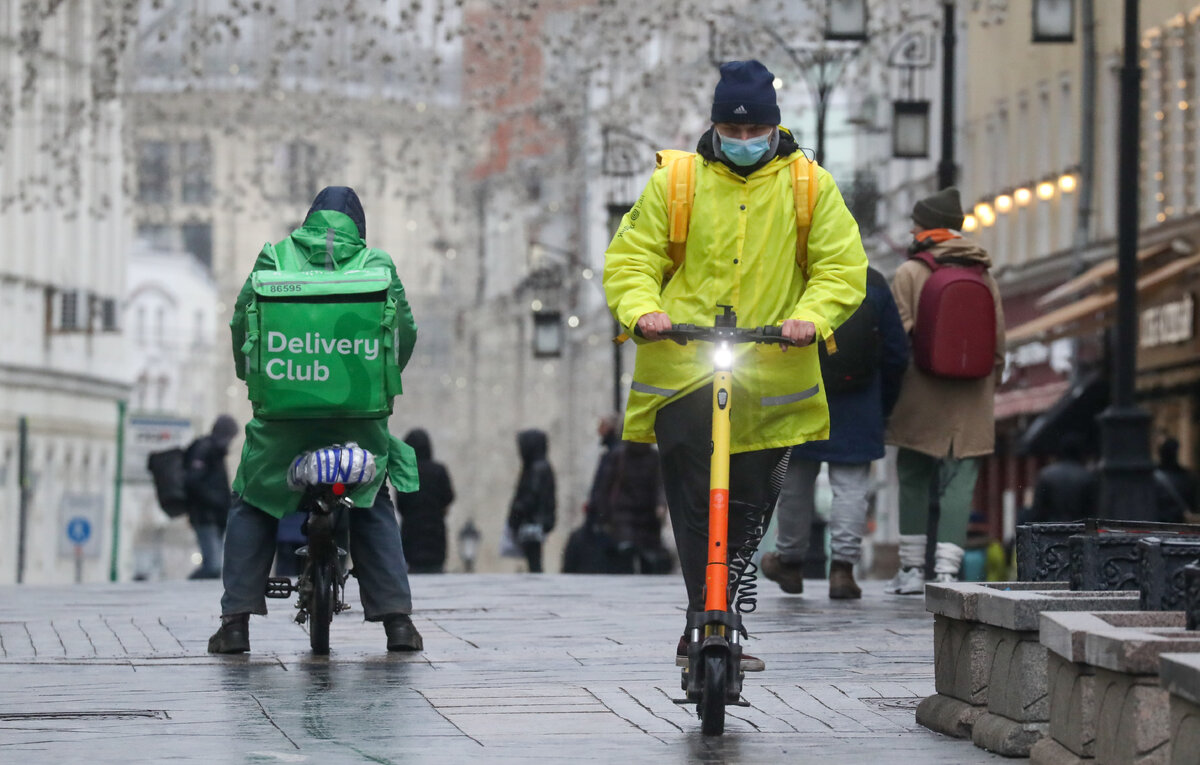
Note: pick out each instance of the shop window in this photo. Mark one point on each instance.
(195, 159)
(154, 172)
(197, 239)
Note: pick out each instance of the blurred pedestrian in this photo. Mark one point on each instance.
(423, 512)
(635, 503)
(1174, 486)
(943, 424)
(206, 481)
(1066, 489)
(862, 383)
(531, 515)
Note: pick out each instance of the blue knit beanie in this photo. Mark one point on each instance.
(746, 94)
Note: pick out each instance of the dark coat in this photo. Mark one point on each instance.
(857, 418)
(634, 494)
(207, 481)
(533, 501)
(1065, 491)
(423, 512)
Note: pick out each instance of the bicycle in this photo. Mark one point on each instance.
(714, 635)
(325, 476)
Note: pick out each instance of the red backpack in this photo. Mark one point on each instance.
(955, 332)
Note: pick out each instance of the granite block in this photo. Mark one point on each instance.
(1072, 693)
(1133, 719)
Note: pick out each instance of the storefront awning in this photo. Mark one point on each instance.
(1037, 399)
(1091, 312)
(1107, 269)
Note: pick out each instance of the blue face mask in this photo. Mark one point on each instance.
(747, 152)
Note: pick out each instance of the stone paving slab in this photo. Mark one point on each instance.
(515, 669)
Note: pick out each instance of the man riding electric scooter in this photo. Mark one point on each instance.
(747, 222)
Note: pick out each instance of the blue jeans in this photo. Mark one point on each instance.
(375, 548)
(208, 539)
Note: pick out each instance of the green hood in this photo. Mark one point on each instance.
(328, 239)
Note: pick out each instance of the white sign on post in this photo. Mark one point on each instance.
(81, 518)
(146, 434)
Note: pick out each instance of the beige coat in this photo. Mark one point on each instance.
(934, 415)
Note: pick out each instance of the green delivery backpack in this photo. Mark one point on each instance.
(322, 344)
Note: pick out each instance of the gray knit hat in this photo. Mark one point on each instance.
(942, 210)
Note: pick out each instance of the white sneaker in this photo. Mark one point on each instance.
(945, 578)
(907, 581)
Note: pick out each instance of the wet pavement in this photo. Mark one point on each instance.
(516, 668)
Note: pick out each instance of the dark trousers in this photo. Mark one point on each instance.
(374, 546)
(533, 556)
(683, 429)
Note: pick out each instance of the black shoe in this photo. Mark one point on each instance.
(233, 636)
(402, 634)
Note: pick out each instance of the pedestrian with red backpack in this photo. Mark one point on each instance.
(944, 419)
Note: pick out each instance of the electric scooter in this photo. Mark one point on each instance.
(713, 676)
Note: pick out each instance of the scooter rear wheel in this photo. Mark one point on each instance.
(712, 700)
(320, 614)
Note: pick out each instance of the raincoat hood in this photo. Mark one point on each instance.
(340, 199)
(532, 445)
(418, 439)
(223, 431)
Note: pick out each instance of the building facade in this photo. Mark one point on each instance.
(63, 378)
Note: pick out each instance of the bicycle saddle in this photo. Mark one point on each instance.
(346, 464)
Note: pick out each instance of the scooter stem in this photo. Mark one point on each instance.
(716, 577)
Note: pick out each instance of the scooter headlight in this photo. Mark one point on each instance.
(723, 357)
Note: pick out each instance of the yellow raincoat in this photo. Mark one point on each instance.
(741, 251)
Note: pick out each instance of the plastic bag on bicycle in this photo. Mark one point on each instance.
(348, 464)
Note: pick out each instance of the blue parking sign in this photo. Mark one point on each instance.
(79, 530)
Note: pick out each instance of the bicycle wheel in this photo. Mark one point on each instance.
(712, 699)
(320, 613)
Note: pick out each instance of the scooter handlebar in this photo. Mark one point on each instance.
(683, 333)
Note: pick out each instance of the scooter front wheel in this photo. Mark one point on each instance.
(320, 613)
(712, 700)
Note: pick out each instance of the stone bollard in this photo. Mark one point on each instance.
(989, 664)
(1161, 565)
(1042, 551)
(1179, 674)
(1106, 700)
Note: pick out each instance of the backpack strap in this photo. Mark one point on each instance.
(681, 189)
(805, 190)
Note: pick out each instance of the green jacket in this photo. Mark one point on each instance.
(271, 446)
(741, 251)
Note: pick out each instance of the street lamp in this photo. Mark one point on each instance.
(547, 334)
(910, 129)
(846, 20)
(1126, 483)
(1053, 21)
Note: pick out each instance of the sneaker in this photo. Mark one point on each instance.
(907, 581)
(749, 663)
(233, 635)
(789, 576)
(402, 634)
(841, 581)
